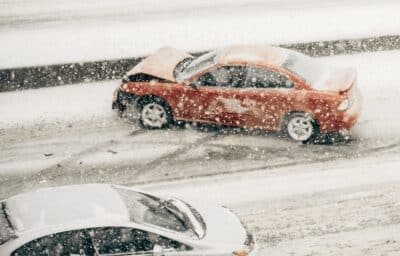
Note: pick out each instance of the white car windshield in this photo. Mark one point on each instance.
(197, 65)
(311, 70)
(149, 210)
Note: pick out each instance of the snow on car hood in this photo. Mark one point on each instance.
(338, 80)
(161, 64)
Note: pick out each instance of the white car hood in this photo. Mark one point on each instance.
(223, 227)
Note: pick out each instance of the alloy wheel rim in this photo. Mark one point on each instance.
(300, 128)
(154, 115)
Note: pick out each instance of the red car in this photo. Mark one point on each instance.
(259, 87)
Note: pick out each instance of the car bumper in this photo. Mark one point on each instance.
(122, 99)
(343, 121)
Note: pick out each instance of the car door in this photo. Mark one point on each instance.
(76, 242)
(214, 98)
(269, 96)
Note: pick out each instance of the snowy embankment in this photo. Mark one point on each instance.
(47, 32)
(87, 102)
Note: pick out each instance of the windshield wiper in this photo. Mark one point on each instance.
(181, 216)
(190, 216)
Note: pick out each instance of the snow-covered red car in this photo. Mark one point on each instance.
(250, 86)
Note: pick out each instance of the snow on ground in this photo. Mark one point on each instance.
(246, 188)
(57, 104)
(51, 32)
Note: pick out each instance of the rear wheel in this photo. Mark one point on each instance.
(154, 114)
(301, 127)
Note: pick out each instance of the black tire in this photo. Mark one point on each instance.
(155, 113)
(300, 127)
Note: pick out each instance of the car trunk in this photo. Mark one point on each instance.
(338, 80)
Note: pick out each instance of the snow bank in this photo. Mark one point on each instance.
(53, 32)
(57, 104)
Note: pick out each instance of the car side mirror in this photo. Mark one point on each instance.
(193, 85)
(158, 250)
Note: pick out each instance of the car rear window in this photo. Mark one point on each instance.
(6, 230)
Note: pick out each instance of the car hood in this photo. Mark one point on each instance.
(161, 64)
(338, 80)
(222, 226)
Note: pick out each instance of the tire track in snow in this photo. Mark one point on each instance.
(165, 159)
(169, 160)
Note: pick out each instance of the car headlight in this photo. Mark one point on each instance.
(344, 105)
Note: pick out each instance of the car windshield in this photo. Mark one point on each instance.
(190, 214)
(204, 61)
(149, 210)
(312, 70)
(6, 230)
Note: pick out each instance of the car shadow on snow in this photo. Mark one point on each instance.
(333, 139)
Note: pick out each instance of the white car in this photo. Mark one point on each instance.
(100, 219)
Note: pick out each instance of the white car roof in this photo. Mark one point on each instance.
(66, 205)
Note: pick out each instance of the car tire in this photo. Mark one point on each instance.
(301, 127)
(154, 113)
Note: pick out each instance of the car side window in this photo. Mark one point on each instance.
(60, 244)
(266, 78)
(116, 240)
(226, 76)
(112, 240)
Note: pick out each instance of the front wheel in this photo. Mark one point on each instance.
(301, 127)
(155, 114)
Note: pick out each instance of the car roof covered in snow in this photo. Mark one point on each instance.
(66, 205)
(252, 54)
